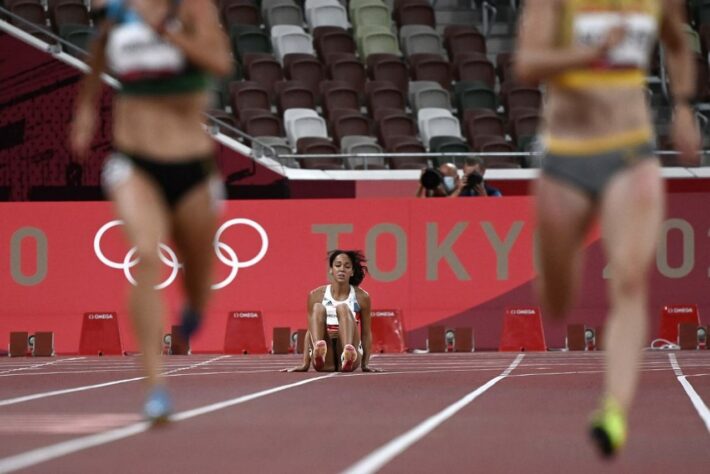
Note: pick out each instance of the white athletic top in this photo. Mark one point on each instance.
(330, 303)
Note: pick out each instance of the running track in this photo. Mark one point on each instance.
(479, 412)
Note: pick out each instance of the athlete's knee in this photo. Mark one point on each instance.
(318, 311)
(342, 311)
(628, 280)
(147, 256)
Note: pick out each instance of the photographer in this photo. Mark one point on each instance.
(472, 183)
(439, 182)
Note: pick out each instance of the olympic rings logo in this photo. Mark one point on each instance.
(226, 254)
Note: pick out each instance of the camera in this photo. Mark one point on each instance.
(473, 179)
(431, 178)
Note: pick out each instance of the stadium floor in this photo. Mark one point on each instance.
(477, 412)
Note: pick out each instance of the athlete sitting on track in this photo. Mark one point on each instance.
(162, 176)
(593, 54)
(335, 312)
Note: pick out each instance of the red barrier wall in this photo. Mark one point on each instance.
(456, 262)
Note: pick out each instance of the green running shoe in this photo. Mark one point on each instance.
(608, 428)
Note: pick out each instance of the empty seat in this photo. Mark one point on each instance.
(388, 67)
(227, 119)
(261, 123)
(306, 69)
(329, 13)
(248, 95)
(483, 125)
(294, 94)
(406, 144)
(434, 122)
(425, 94)
(283, 14)
(338, 95)
(346, 67)
(497, 145)
(524, 124)
(32, 12)
(301, 123)
(248, 39)
(78, 36)
(474, 95)
(420, 39)
(383, 94)
(280, 147)
(504, 66)
(265, 70)
(358, 144)
(415, 13)
(69, 14)
(370, 14)
(347, 122)
(319, 146)
(240, 13)
(288, 39)
(376, 39)
(394, 125)
(266, 4)
(448, 144)
(475, 69)
(431, 67)
(463, 39)
(333, 42)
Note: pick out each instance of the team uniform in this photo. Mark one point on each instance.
(589, 163)
(147, 65)
(331, 322)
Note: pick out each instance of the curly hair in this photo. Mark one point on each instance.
(358, 260)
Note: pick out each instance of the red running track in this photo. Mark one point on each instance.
(479, 412)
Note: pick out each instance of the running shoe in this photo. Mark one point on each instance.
(190, 321)
(157, 408)
(319, 352)
(608, 428)
(348, 358)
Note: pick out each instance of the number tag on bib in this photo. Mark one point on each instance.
(592, 29)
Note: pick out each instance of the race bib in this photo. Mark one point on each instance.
(592, 29)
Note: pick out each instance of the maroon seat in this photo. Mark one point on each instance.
(415, 13)
(265, 70)
(393, 125)
(468, 68)
(431, 67)
(32, 12)
(293, 94)
(500, 161)
(346, 67)
(262, 123)
(483, 125)
(247, 95)
(524, 123)
(388, 67)
(304, 68)
(338, 95)
(463, 39)
(69, 14)
(517, 97)
(240, 12)
(318, 146)
(329, 41)
(383, 94)
(406, 144)
(504, 65)
(347, 122)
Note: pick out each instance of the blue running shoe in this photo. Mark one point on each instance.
(190, 321)
(158, 407)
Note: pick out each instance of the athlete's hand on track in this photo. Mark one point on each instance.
(685, 135)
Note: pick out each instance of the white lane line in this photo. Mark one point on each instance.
(47, 453)
(34, 366)
(697, 402)
(54, 393)
(378, 458)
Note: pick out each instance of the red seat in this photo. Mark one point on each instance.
(304, 68)
(239, 12)
(383, 94)
(472, 68)
(333, 40)
(431, 67)
(463, 39)
(261, 123)
(347, 122)
(248, 95)
(415, 13)
(346, 67)
(318, 146)
(486, 125)
(265, 70)
(405, 144)
(393, 125)
(338, 95)
(388, 67)
(69, 14)
(294, 94)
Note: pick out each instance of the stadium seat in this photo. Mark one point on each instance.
(423, 94)
(463, 39)
(516, 96)
(405, 144)
(431, 67)
(265, 70)
(33, 13)
(69, 14)
(374, 13)
(239, 13)
(289, 39)
(283, 14)
(330, 40)
(433, 122)
(281, 147)
(420, 39)
(355, 144)
(388, 67)
(376, 39)
(261, 123)
(301, 123)
(338, 95)
(248, 95)
(524, 124)
(448, 144)
(395, 124)
(248, 39)
(294, 94)
(473, 67)
(346, 67)
(415, 13)
(483, 125)
(383, 94)
(326, 13)
(79, 36)
(264, 5)
(346, 122)
(319, 146)
(474, 95)
(306, 69)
